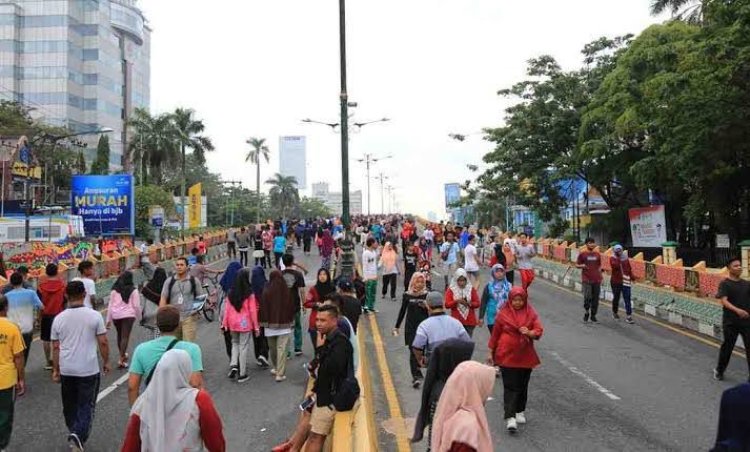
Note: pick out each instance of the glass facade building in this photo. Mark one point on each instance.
(82, 64)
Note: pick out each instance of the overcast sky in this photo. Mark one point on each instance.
(257, 67)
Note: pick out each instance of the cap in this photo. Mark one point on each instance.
(434, 299)
(618, 248)
(345, 284)
(497, 267)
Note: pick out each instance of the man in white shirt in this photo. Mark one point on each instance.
(86, 269)
(370, 274)
(472, 261)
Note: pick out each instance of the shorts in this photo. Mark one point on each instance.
(47, 327)
(472, 273)
(321, 420)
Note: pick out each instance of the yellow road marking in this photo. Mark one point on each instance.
(390, 391)
(654, 321)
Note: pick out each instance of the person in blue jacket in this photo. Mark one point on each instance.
(495, 295)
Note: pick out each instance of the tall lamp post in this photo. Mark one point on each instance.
(368, 160)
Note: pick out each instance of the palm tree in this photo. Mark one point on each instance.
(283, 192)
(153, 144)
(690, 11)
(259, 149)
(188, 134)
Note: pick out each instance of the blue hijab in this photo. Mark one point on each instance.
(258, 281)
(230, 274)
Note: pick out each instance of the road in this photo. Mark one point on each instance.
(610, 386)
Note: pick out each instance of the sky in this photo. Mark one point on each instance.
(256, 68)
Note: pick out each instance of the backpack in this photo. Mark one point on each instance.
(347, 393)
(173, 280)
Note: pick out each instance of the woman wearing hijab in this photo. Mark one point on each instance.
(460, 423)
(389, 264)
(510, 259)
(494, 296)
(260, 343)
(171, 415)
(315, 297)
(511, 346)
(411, 261)
(444, 359)
(462, 299)
(226, 282)
(241, 320)
(326, 249)
(124, 308)
(415, 311)
(277, 312)
(152, 292)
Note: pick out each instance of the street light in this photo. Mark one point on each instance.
(368, 159)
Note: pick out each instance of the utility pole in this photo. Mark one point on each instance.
(369, 159)
(344, 98)
(230, 211)
(382, 178)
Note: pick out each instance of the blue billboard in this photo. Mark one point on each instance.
(106, 203)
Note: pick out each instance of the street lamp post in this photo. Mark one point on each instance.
(369, 159)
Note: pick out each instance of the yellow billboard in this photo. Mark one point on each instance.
(20, 169)
(194, 193)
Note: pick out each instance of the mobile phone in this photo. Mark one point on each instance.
(307, 404)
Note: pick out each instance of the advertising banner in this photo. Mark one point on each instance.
(648, 226)
(194, 211)
(452, 195)
(106, 203)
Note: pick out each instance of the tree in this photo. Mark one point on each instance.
(153, 146)
(259, 149)
(80, 165)
(283, 193)
(101, 163)
(145, 197)
(312, 208)
(688, 10)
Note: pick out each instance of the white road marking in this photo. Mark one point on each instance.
(109, 389)
(586, 377)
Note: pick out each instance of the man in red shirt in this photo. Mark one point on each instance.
(52, 293)
(622, 277)
(590, 262)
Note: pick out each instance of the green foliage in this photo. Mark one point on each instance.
(283, 194)
(145, 197)
(311, 208)
(101, 163)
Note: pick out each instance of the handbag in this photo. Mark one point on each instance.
(346, 395)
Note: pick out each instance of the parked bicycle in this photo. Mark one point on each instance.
(206, 304)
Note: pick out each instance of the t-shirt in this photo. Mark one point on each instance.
(369, 264)
(90, 287)
(524, 253)
(592, 273)
(147, 354)
(21, 305)
(294, 281)
(429, 235)
(410, 262)
(11, 344)
(181, 294)
(279, 244)
(243, 240)
(77, 328)
(470, 255)
(351, 308)
(437, 329)
(452, 248)
(738, 293)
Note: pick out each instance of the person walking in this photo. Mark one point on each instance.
(462, 299)
(326, 249)
(171, 414)
(123, 310)
(267, 246)
(152, 293)
(510, 260)
(232, 243)
(512, 349)
(226, 283)
(414, 310)
(258, 253)
(12, 375)
(590, 262)
(412, 253)
(22, 307)
(437, 328)
(77, 332)
(370, 274)
(460, 423)
(472, 261)
(494, 296)
(307, 236)
(277, 310)
(621, 280)
(449, 255)
(279, 248)
(243, 245)
(180, 290)
(524, 253)
(389, 264)
(734, 294)
(260, 343)
(295, 281)
(318, 294)
(52, 293)
(241, 319)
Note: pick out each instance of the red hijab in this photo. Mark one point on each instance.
(518, 317)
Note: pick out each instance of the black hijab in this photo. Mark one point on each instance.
(326, 288)
(241, 289)
(153, 289)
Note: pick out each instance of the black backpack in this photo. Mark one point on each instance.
(347, 393)
(172, 282)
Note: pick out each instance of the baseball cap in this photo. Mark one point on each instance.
(345, 284)
(434, 299)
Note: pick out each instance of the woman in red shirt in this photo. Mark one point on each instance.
(463, 300)
(315, 297)
(517, 326)
(171, 414)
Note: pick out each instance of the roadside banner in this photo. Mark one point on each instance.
(194, 193)
(648, 226)
(106, 204)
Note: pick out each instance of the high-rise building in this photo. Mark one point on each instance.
(334, 200)
(81, 64)
(293, 160)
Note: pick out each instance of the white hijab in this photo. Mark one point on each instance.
(167, 408)
(459, 293)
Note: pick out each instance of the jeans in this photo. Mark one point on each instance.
(27, 339)
(390, 280)
(260, 345)
(231, 250)
(298, 332)
(306, 245)
(277, 349)
(267, 259)
(240, 345)
(123, 327)
(7, 405)
(243, 257)
(515, 390)
(277, 258)
(79, 403)
(618, 289)
(731, 331)
(371, 291)
(591, 297)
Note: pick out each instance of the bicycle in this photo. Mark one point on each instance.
(206, 304)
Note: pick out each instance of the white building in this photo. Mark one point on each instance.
(293, 159)
(333, 200)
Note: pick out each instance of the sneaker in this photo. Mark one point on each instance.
(48, 366)
(520, 418)
(298, 353)
(273, 371)
(615, 316)
(416, 383)
(258, 363)
(233, 373)
(718, 376)
(74, 442)
(264, 361)
(593, 319)
(586, 317)
(511, 425)
(280, 378)
(243, 378)
(629, 319)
